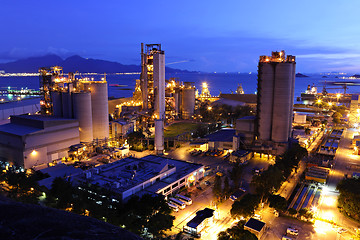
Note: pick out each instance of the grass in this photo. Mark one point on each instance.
(178, 128)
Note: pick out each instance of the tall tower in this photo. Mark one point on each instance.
(152, 83)
(276, 83)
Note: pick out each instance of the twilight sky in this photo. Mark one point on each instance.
(221, 36)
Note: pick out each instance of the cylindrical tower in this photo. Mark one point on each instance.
(177, 101)
(66, 105)
(282, 102)
(159, 136)
(83, 113)
(100, 111)
(265, 100)
(159, 84)
(57, 103)
(188, 100)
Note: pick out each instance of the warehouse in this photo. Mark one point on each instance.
(33, 140)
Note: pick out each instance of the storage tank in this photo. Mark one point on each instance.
(57, 103)
(100, 111)
(177, 101)
(283, 101)
(66, 105)
(188, 100)
(159, 136)
(83, 113)
(265, 99)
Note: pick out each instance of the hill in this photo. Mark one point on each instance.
(73, 64)
(27, 221)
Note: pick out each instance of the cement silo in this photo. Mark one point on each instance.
(265, 100)
(188, 100)
(83, 113)
(66, 105)
(100, 111)
(283, 101)
(57, 103)
(276, 82)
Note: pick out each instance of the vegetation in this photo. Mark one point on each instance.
(349, 199)
(217, 188)
(223, 113)
(237, 232)
(178, 128)
(235, 174)
(245, 207)
(278, 202)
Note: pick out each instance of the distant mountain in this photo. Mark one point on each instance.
(300, 75)
(73, 64)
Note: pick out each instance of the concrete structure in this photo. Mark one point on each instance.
(299, 118)
(238, 100)
(24, 106)
(276, 82)
(241, 156)
(187, 100)
(245, 129)
(199, 222)
(31, 140)
(121, 127)
(255, 226)
(81, 99)
(148, 175)
(224, 139)
(354, 115)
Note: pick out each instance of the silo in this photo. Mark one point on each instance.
(57, 103)
(265, 103)
(282, 102)
(83, 113)
(66, 105)
(188, 100)
(100, 111)
(159, 136)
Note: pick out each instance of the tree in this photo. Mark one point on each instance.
(217, 188)
(336, 117)
(134, 138)
(245, 207)
(349, 199)
(278, 202)
(235, 174)
(292, 211)
(237, 232)
(227, 189)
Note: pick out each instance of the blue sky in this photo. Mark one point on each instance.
(221, 36)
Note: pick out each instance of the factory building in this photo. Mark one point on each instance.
(276, 82)
(33, 140)
(354, 115)
(81, 99)
(147, 175)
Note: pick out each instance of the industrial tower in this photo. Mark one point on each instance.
(276, 82)
(152, 84)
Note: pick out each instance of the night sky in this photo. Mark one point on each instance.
(221, 36)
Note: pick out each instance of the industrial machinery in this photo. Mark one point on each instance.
(80, 98)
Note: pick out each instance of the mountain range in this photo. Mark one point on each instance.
(72, 64)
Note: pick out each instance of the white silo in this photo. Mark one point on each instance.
(100, 111)
(83, 113)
